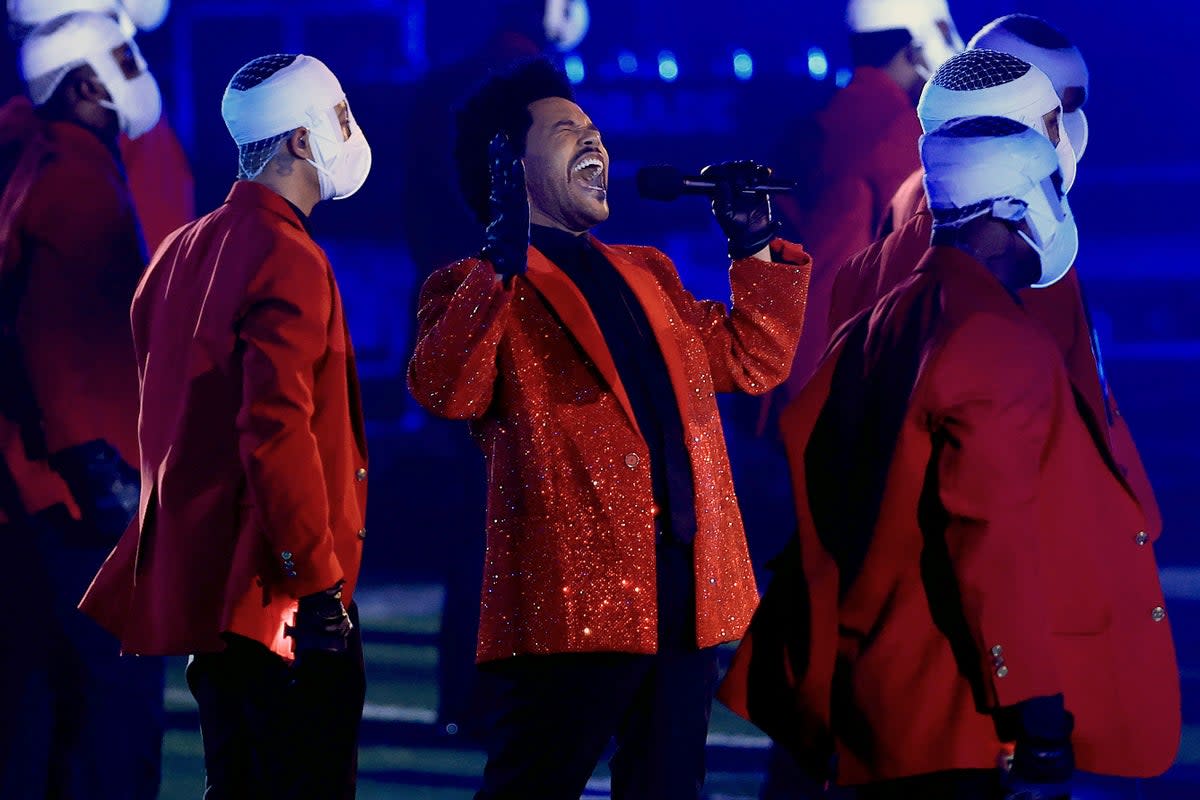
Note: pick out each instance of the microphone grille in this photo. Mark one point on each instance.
(660, 182)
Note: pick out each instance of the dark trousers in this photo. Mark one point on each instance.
(555, 714)
(77, 719)
(272, 730)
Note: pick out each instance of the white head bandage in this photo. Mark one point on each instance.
(566, 23)
(274, 95)
(987, 83)
(997, 167)
(1036, 41)
(133, 15)
(53, 50)
(927, 21)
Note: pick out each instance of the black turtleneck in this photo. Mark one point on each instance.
(303, 217)
(640, 364)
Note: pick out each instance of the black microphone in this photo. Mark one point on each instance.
(664, 182)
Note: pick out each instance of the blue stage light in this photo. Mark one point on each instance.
(818, 64)
(668, 70)
(743, 65)
(842, 76)
(627, 61)
(573, 66)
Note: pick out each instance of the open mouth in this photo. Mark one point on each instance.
(589, 170)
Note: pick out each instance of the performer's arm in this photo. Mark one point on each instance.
(283, 330)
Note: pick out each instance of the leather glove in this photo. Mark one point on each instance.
(746, 219)
(105, 488)
(321, 623)
(506, 239)
(1043, 761)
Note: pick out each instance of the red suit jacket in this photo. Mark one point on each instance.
(570, 514)
(161, 181)
(1003, 555)
(252, 447)
(878, 269)
(869, 134)
(70, 235)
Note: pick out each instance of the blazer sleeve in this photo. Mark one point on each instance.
(461, 318)
(993, 424)
(750, 345)
(283, 332)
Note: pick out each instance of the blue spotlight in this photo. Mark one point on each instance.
(842, 77)
(668, 70)
(743, 65)
(627, 61)
(573, 65)
(818, 64)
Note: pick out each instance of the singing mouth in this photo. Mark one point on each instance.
(590, 171)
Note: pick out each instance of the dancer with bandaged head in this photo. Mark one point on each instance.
(253, 453)
(156, 166)
(71, 259)
(967, 551)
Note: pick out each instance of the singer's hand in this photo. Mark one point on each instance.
(1044, 761)
(746, 219)
(507, 237)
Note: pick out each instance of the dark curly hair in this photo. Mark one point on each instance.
(501, 103)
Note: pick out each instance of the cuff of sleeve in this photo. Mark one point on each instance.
(307, 573)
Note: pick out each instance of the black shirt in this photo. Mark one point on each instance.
(640, 364)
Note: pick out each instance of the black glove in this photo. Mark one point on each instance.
(1044, 761)
(746, 219)
(507, 237)
(105, 488)
(321, 623)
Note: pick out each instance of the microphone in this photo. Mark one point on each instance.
(664, 182)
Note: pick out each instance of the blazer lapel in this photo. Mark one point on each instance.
(576, 316)
(655, 303)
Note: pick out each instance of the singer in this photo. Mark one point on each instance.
(616, 560)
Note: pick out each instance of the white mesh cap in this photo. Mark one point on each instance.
(54, 49)
(1036, 41)
(986, 83)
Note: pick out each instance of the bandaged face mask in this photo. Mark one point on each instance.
(1076, 126)
(566, 23)
(135, 96)
(1053, 234)
(342, 164)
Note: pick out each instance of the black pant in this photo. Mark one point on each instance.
(556, 713)
(277, 731)
(77, 719)
(958, 784)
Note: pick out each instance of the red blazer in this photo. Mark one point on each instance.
(570, 512)
(1009, 558)
(161, 181)
(878, 269)
(67, 222)
(869, 134)
(252, 444)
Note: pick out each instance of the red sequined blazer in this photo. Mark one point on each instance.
(570, 514)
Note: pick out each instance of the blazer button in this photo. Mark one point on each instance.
(360, 474)
(1001, 671)
(997, 651)
(1142, 538)
(632, 460)
(362, 533)
(1158, 614)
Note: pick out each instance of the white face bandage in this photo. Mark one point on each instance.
(132, 15)
(303, 94)
(53, 50)
(987, 83)
(927, 21)
(1052, 53)
(993, 166)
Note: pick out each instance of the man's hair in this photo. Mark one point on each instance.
(253, 157)
(1036, 31)
(877, 48)
(500, 104)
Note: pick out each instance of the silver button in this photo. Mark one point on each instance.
(1001, 671)
(362, 533)
(997, 650)
(1142, 538)
(632, 460)
(1158, 614)
(286, 555)
(360, 474)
